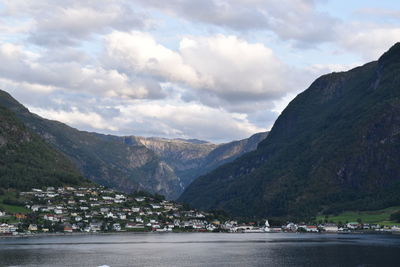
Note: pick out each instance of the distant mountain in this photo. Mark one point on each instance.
(335, 147)
(26, 161)
(230, 151)
(189, 158)
(156, 165)
(184, 157)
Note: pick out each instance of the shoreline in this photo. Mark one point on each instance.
(152, 232)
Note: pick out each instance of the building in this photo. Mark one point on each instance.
(20, 216)
(68, 228)
(330, 227)
(32, 227)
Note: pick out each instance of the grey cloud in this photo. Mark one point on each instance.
(291, 20)
(46, 73)
(67, 23)
(385, 13)
(122, 117)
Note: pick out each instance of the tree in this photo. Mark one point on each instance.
(395, 216)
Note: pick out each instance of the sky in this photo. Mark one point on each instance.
(216, 70)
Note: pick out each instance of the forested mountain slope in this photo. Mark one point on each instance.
(336, 146)
(26, 161)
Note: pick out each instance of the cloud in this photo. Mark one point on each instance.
(19, 65)
(139, 53)
(75, 118)
(219, 70)
(234, 69)
(186, 120)
(297, 20)
(66, 23)
(321, 69)
(219, 82)
(382, 13)
(370, 40)
(178, 68)
(175, 119)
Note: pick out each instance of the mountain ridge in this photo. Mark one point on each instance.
(336, 146)
(27, 161)
(122, 162)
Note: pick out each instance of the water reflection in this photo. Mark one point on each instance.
(202, 250)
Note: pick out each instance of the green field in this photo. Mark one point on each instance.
(381, 217)
(11, 209)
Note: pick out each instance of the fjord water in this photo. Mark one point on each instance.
(202, 249)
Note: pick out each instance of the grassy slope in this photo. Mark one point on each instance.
(11, 209)
(381, 217)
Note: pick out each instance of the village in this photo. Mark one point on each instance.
(99, 210)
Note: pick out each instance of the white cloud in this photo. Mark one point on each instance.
(186, 120)
(138, 52)
(26, 86)
(214, 82)
(151, 118)
(235, 70)
(369, 40)
(21, 66)
(220, 70)
(75, 118)
(321, 69)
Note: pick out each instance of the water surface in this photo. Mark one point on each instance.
(202, 249)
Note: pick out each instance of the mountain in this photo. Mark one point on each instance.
(335, 147)
(108, 162)
(192, 158)
(185, 157)
(230, 151)
(26, 161)
(156, 165)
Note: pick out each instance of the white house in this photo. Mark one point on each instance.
(122, 197)
(94, 227)
(353, 225)
(58, 211)
(330, 227)
(116, 227)
(35, 208)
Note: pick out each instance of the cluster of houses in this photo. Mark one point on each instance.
(232, 226)
(334, 228)
(96, 209)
